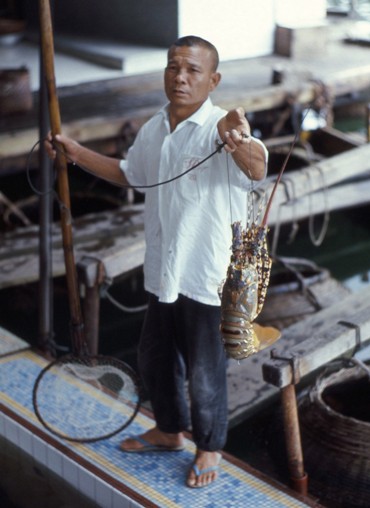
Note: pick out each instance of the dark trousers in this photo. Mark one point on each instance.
(181, 341)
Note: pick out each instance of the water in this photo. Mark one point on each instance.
(344, 250)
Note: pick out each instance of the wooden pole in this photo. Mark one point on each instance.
(47, 42)
(298, 476)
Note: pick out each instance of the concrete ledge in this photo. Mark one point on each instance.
(301, 41)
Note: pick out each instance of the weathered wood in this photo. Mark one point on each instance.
(97, 227)
(18, 141)
(126, 254)
(116, 238)
(342, 329)
(283, 308)
(320, 202)
(318, 177)
(249, 392)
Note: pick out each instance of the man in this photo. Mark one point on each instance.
(188, 238)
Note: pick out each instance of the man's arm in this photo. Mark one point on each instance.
(99, 165)
(248, 154)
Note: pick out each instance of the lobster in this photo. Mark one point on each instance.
(244, 291)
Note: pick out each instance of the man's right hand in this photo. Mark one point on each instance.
(70, 147)
(97, 164)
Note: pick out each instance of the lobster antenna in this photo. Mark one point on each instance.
(269, 203)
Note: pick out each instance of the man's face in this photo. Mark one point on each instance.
(189, 77)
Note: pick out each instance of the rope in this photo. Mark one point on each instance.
(122, 307)
(317, 241)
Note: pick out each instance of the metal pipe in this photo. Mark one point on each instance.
(45, 288)
(91, 308)
(298, 476)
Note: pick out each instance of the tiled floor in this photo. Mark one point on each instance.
(102, 473)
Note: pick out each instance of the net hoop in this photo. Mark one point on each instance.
(131, 409)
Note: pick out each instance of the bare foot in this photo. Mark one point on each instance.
(204, 471)
(153, 440)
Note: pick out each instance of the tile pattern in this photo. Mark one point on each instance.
(160, 478)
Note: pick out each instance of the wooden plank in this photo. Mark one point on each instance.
(340, 330)
(318, 176)
(20, 142)
(320, 202)
(102, 226)
(125, 255)
(114, 237)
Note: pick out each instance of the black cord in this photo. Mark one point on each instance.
(218, 150)
(28, 164)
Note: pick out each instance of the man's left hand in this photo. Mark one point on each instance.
(234, 129)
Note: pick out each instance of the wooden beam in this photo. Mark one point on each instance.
(317, 177)
(20, 142)
(316, 351)
(323, 201)
(115, 238)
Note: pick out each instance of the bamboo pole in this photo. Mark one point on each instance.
(47, 42)
(298, 476)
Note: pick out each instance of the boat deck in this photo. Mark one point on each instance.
(105, 476)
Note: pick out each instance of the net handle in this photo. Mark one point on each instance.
(47, 52)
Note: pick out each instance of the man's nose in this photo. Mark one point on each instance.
(181, 76)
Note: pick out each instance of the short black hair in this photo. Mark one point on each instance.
(194, 40)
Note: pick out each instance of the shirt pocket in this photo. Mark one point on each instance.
(195, 184)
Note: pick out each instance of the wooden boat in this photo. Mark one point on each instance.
(298, 287)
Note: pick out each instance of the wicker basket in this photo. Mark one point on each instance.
(335, 427)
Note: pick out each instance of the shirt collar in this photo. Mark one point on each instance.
(200, 115)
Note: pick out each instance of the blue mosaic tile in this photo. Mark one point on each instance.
(158, 477)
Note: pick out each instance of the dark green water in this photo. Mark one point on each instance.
(345, 250)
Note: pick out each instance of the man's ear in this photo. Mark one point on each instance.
(215, 79)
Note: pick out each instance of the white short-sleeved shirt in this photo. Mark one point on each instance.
(188, 221)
